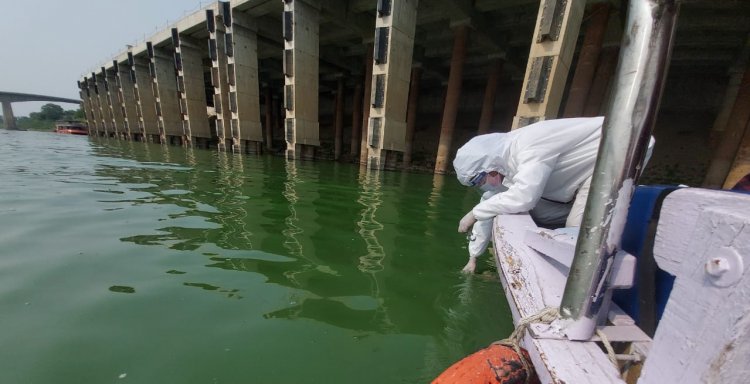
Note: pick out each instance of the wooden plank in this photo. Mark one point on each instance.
(704, 333)
(531, 284)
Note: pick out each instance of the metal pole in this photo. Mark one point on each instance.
(630, 116)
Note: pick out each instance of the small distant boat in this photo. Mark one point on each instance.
(71, 127)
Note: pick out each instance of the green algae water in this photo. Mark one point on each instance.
(126, 262)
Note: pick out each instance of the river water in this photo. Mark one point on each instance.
(136, 263)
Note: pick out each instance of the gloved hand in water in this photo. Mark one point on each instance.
(466, 222)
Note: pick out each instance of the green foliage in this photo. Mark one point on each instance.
(51, 112)
(44, 120)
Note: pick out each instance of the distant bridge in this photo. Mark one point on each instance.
(13, 97)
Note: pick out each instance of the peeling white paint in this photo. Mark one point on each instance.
(619, 216)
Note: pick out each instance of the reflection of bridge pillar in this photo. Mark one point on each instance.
(10, 120)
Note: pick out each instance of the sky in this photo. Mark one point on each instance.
(48, 45)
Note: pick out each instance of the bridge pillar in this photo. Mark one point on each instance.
(550, 56)
(395, 26)
(191, 88)
(144, 97)
(117, 113)
(453, 94)
(219, 78)
(301, 23)
(164, 78)
(104, 113)
(95, 109)
(242, 72)
(366, 98)
(10, 120)
(126, 96)
(86, 105)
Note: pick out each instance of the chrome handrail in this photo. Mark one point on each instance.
(631, 113)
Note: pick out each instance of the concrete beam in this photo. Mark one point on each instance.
(496, 5)
(345, 17)
(464, 10)
(394, 48)
(550, 56)
(15, 97)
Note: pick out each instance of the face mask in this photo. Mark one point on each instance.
(492, 183)
(487, 187)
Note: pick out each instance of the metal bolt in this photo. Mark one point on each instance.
(717, 266)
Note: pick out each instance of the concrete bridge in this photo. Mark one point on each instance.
(6, 98)
(383, 82)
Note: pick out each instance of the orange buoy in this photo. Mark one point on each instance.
(494, 364)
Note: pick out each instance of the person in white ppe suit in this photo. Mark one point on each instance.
(544, 169)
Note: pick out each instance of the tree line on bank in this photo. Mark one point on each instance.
(44, 120)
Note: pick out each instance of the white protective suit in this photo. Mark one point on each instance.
(546, 166)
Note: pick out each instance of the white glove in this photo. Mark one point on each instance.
(466, 222)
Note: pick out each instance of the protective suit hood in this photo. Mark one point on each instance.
(484, 153)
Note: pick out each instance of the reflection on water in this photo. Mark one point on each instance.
(370, 199)
(197, 266)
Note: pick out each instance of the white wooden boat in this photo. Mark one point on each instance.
(702, 239)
